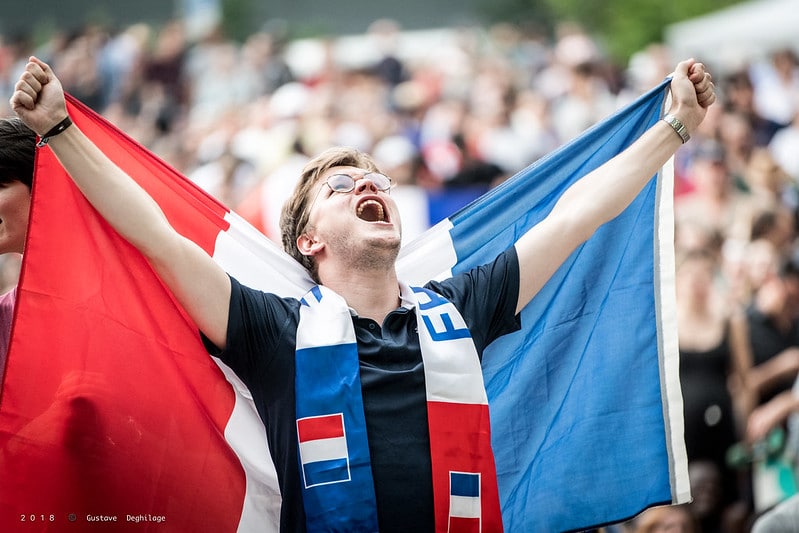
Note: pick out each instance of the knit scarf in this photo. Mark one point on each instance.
(333, 454)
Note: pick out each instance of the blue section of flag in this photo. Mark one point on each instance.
(324, 472)
(464, 484)
(578, 428)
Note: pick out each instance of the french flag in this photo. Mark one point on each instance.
(464, 502)
(323, 450)
(111, 405)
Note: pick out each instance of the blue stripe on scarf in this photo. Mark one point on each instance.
(328, 381)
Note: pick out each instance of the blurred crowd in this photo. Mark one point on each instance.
(452, 121)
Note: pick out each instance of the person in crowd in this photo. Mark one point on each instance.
(773, 330)
(666, 519)
(712, 347)
(783, 518)
(17, 153)
(739, 98)
(714, 201)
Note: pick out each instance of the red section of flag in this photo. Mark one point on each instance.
(320, 427)
(251, 209)
(110, 404)
(449, 430)
(464, 525)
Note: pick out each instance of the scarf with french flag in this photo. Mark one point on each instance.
(334, 450)
(112, 411)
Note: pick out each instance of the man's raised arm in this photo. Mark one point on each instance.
(199, 284)
(604, 193)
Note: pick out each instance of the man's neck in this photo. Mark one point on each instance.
(371, 294)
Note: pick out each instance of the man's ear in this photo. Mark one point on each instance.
(308, 245)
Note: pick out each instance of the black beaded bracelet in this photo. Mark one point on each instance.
(58, 128)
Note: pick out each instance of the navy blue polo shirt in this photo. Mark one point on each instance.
(262, 331)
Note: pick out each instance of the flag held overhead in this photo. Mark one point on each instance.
(111, 404)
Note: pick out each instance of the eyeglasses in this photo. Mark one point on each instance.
(346, 183)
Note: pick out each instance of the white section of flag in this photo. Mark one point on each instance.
(428, 258)
(330, 449)
(250, 257)
(464, 506)
(257, 262)
(245, 433)
(666, 307)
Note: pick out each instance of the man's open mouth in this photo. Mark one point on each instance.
(371, 211)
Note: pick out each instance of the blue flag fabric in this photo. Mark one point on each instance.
(586, 410)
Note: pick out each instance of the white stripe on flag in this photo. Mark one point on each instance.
(428, 257)
(464, 506)
(666, 305)
(257, 262)
(323, 450)
(245, 433)
(253, 259)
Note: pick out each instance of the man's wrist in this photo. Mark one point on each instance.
(55, 130)
(678, 127)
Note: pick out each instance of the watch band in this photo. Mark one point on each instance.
(678, 127)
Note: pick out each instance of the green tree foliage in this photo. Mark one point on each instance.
(238, 20)
(621, 26)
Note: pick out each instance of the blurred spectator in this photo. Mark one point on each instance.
(646, 69)
(14, 52)
(739, 98)
(164, 87)
(780, 413)
(714, 201)
(712, 348)
(772, 414)
(262, 54)
(747, 267)
(389, 67)
(79, 63)
(221, 82)
(768, 183)
(773, 324)
(784, 518)
(712, 513)
(119, 59)
(774, 223)
(737, 139)
(776, 85)
(261, 206)
(399, 159)
(666, 519)
(586, 101)
(225, 175)
(783, 147)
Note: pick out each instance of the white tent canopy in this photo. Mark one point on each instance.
(731, 37)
